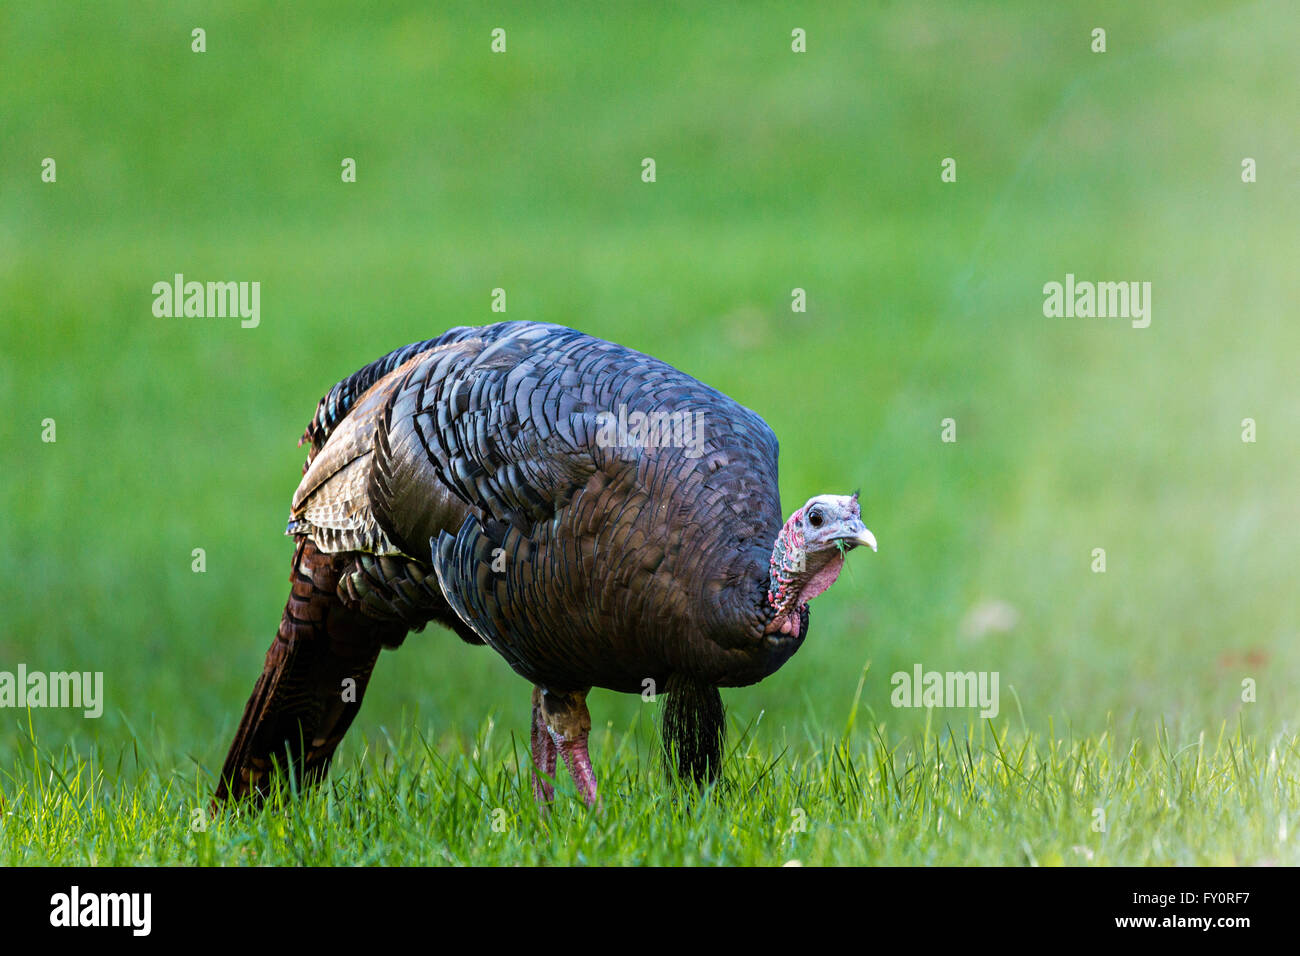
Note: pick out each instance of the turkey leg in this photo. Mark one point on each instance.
(544, 753)
(567, 722)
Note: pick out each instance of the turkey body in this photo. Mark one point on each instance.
(583, 562)
(594, 515)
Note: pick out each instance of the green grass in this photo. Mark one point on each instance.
(984, 795)
(775, 171)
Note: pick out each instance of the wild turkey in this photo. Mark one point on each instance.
(597, 517)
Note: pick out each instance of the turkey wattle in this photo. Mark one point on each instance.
(597, 517)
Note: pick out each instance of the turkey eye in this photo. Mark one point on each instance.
(815, 519)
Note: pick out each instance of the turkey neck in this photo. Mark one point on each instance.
(796, 577)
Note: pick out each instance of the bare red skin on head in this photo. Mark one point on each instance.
(791, 585)
(821, 580)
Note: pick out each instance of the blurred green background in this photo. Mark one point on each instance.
(775, 170)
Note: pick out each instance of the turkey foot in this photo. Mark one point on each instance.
(567, 722)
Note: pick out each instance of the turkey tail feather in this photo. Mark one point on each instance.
(311, 687)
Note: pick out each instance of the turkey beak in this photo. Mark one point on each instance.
(858, 534)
